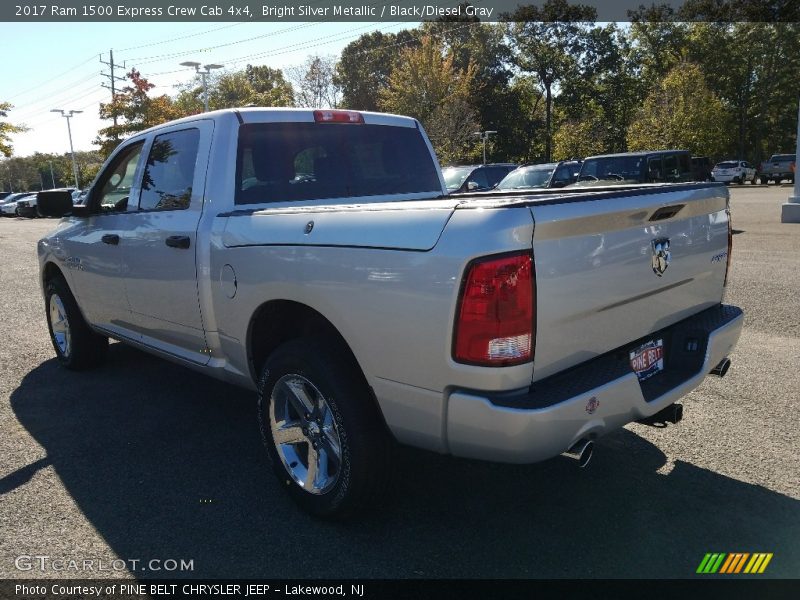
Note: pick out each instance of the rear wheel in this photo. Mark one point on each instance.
(77, 346)
(324, 436)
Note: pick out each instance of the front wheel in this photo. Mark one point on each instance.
(77, 346)
(323, 433)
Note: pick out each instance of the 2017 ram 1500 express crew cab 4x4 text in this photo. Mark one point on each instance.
(314, 256)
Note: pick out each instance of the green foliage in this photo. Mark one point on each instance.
(33, 173)
(585, 136)
(252, 86)
(548, 42)
(681, 112)
(6, 129)
(426, 85)
(365, 65)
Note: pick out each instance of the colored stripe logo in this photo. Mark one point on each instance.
(734, 562)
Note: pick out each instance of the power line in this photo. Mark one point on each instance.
(50, 79)
(183, 37)
(62, 97)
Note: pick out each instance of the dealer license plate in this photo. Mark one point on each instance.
(648, 359)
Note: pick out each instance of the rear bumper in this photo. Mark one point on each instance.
(554, 414)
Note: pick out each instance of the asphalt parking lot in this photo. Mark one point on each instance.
(144, 460)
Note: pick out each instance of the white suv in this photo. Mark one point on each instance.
(735, 171)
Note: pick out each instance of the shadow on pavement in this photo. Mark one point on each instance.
(166, 463)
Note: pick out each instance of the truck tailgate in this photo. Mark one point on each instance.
(597, 287)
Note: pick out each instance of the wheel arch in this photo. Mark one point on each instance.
(276, 322)
(50, 271)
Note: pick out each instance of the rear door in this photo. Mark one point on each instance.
(160, 243)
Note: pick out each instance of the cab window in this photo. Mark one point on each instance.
(169, 171)
(115, 184)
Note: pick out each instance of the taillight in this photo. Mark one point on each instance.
(338, 116)
(495, 317)
(730, 244)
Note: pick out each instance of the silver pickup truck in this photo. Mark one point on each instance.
(315, 257)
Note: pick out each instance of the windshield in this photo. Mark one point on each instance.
(455, 176)
(726, 165)
(612, 168)
(782, 158)
(527, 178)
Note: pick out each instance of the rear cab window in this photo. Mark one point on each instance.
(294, 161)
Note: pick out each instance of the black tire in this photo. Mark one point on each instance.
(84, 348)
(365, 446)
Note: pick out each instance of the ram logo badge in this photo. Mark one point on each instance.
(661, 256)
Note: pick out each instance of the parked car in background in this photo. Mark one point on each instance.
(26, 207)
(734, 171)
(778, 168)
(661, 166)
(79, 197)
(9, 207)
(701, 168)
(549, 175)
(475, 178)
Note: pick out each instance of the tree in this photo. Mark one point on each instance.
(499, 104)
(547, 42)
(6, 129)
(313, 83)
(601, 96)
(253, 86)
(427, 86)
(365, 65)
(584, 136)
(135, 110)
(681, 112)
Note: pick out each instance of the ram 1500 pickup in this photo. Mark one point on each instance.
(316, 258)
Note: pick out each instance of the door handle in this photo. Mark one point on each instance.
(110, 238)
(178, 241)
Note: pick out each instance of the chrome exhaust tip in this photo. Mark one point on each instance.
(722, 368)
(581, 452)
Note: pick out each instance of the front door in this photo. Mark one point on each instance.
(95, 252)
(161, 241)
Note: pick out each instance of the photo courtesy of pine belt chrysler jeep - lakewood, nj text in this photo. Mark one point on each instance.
(315, 257)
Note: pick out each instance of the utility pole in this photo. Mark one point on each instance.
(203, 75)
(484, 135)
(67, 115)
(112, 78)
(52, 177)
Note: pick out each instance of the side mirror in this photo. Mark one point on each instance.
(472, 186)
(54, 204)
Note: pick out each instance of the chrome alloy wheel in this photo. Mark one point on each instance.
(59, 325)
(305, 434)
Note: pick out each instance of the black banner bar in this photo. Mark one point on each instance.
(706, 587)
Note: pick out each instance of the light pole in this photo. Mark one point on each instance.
(484, 135)
(203, 75)
(790, 211)
(67, 115)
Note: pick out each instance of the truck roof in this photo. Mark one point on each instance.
(264, 114)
